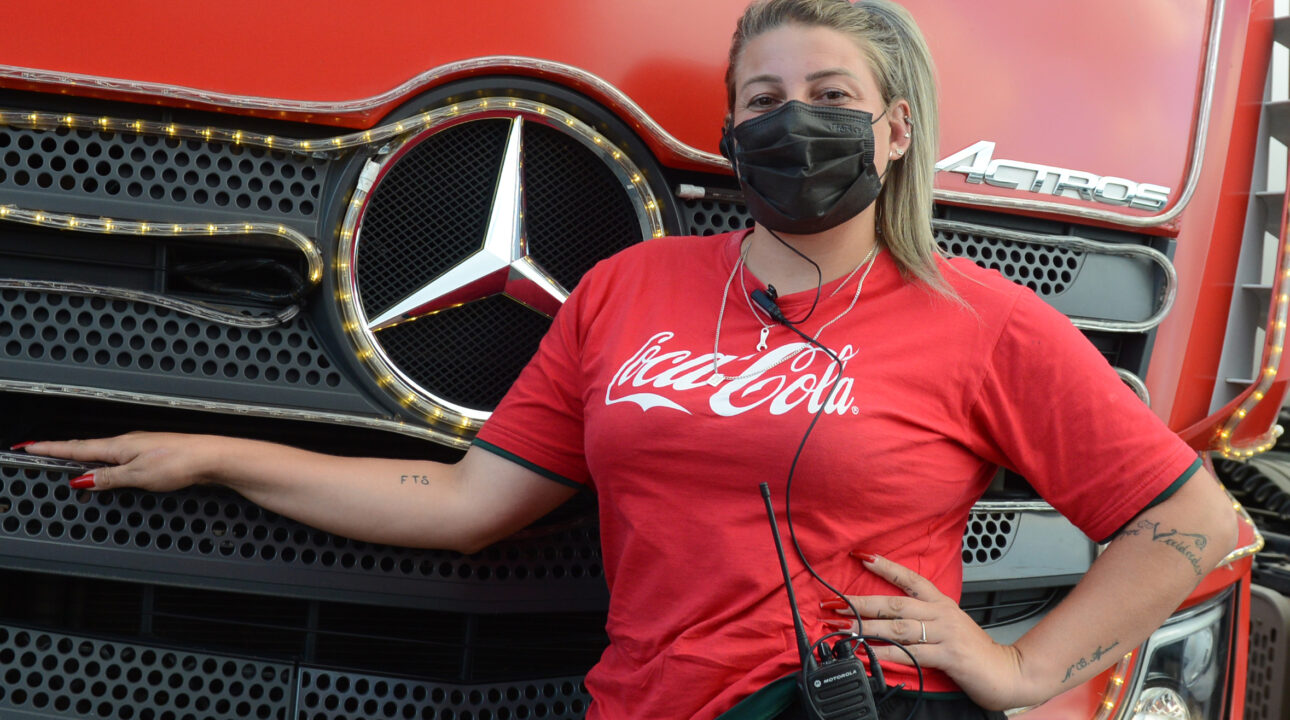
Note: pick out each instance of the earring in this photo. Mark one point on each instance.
(900, 152)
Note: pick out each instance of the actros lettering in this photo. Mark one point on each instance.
(978, 164)
(657, 377)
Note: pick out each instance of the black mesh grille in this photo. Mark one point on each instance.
(428, 212)
(709, 217)
(988, 537)
(57, 675)
(469, 355)
(204, 522)
(148, 168)
(576, 210)
(92, 332)
(335, 696)
(1046, 269)
(425, 643)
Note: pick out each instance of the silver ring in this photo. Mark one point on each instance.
(923, 625)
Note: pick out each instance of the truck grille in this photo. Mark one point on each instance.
(201, 604)
(108, 167)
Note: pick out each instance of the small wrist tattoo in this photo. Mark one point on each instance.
(1088, 661)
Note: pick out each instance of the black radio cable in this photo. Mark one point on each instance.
(772, 309)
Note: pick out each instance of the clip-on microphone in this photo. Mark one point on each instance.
(836, 687)
(767, 303)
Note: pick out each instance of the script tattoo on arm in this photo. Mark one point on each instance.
(414, 479)
(1085, 662)
(1189, 545)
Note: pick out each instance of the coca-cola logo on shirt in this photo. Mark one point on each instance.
(769, 382)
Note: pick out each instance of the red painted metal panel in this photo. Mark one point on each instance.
(1105, 87)
(1184, 365)
(1100, 86)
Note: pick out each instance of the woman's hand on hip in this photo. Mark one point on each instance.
(159, 462)
(935, 630)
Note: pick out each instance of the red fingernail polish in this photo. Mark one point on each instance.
(22, 445)
(84, 482)
(863, 556)
(832, 604)
(837, 626)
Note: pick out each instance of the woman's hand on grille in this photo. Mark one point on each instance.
(151, 461)
(935, 630)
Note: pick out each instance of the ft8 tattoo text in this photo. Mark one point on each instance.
(206, 209)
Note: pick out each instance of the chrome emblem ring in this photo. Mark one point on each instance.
(431, 275)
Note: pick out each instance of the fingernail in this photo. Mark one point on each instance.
(836, 625)
(84, 482)
(833, 604)
(864, 556)
(22, 445)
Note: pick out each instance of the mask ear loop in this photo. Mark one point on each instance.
(882, 177)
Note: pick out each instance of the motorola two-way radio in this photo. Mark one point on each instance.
(834, 685)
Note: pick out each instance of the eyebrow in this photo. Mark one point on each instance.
(818, 74)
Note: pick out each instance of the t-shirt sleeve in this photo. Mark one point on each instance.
(539, 423)
(1053, 409)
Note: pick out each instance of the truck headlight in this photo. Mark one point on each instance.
(1184, 667)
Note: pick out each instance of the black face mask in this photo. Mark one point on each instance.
(804, 169)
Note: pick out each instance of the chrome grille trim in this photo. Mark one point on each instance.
(1091, 246)
(1135, 382)
(995, 506)
(185, 307)
(227, 408)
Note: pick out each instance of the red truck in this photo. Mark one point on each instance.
(210, 214)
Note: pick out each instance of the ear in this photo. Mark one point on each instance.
(903, 133)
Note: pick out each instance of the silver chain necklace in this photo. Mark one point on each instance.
(758, 312)
(718, 378)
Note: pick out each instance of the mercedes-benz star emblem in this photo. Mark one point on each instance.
(502, 263)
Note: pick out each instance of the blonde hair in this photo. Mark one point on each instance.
(902, 65)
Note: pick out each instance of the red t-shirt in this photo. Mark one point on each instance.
(934, 395)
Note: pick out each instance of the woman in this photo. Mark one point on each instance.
(832, 132)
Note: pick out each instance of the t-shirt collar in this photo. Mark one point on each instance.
(881, 278)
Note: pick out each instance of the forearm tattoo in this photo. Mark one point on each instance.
(1189, 545)
(1089, 661)
(414, 479)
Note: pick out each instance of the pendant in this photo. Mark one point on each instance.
(761, 344)
(716, 379)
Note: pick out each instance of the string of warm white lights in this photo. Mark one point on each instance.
(390, 380)
(1270, 362)
(47, 121)
(399, 129)
(278, 234)
(1115, 688)
(1255, 545)
(56, 121)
